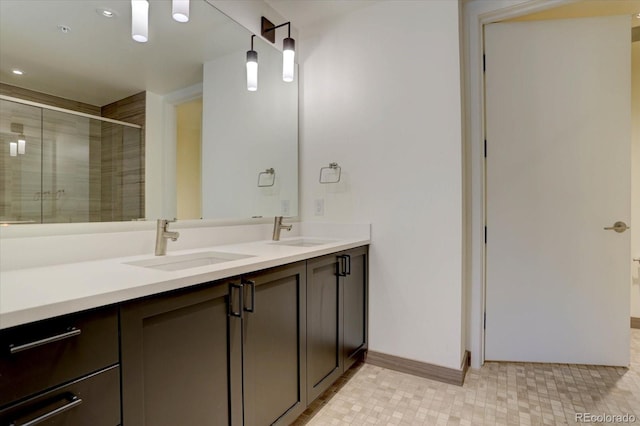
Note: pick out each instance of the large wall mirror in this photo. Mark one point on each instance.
(99, 127)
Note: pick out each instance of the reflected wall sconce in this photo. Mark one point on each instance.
(140, 20)
(180, 10)
(268, 31)
(140, 17)
(19, 147)
(252, 68)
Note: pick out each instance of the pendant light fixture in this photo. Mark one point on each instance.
(140, 20)
(180, 10)
(22, 144)
(268, 31)
(252, 68)
(13, 149)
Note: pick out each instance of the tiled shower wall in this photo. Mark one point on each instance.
(123, 160)
(75, 169)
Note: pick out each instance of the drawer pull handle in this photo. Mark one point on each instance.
(71, 333)
(74, 401)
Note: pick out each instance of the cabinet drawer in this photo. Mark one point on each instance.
(93, 400)
(38, 356)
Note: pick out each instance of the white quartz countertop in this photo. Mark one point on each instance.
(37, 293)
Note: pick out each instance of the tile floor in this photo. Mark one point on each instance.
(496, 394)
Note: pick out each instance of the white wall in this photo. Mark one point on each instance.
(635, 178)
(160, 155)
(381, 96)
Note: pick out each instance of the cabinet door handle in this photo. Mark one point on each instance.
(232, 287)
(251, 284)
(348, 262)
(342, 265)
(71, 333)
(74, 401)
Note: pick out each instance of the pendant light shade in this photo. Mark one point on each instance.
(140, 20)
(13, 149)
(252, 70)
(22, 144)
(180, 10)
(288, 58)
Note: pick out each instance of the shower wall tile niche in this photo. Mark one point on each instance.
(73, 168)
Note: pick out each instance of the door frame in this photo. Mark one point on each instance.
(475, 15)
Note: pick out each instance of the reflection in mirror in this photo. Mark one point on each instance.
(68, 168)
(96, 64)
(258, 130)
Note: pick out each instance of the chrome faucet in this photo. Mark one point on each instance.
(278, 226)
(162, 235)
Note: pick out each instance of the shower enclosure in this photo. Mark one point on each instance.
(62, 166)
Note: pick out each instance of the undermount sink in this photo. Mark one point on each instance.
(303, 242)
(186, 261)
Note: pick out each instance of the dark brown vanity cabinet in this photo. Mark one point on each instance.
(355, 307)
(61, 371)
(336, 316)
(175, 358)
(324, 317)
(253, 350)
(273, 345)
(228, 352)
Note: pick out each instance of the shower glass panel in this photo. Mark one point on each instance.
(20, 173)
(74, 168)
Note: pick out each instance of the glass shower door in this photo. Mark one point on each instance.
(70, 189)
(20, 163)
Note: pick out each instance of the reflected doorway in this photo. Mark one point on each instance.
(189, 159)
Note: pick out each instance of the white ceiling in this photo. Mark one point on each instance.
(97, 62)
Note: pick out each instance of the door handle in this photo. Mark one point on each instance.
(251, 284)
(619, 227)
(232, 312)
(342, 266)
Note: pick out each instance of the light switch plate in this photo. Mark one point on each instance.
(319, 207)
(285, 208)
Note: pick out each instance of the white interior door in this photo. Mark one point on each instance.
(558, 171)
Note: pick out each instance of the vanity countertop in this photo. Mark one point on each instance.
(37, 293)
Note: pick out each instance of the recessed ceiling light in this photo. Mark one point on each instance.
(64, 29)
(107, 13)
(17, 72)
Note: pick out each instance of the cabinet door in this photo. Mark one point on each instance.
(274, 333)
(175, 359)
(324, 325)
(355, 291)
